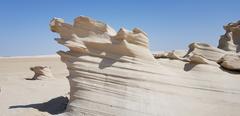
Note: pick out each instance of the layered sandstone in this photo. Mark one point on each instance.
(230, 62)
(115, 74)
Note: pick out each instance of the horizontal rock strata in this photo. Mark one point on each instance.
(115, 74)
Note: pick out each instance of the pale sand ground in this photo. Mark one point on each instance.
(21, 97)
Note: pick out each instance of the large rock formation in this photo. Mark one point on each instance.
(115, 74)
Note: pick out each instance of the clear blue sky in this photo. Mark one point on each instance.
(170, 24)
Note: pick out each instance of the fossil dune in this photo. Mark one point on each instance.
(114, 73)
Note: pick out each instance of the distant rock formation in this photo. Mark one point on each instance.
(115, 74)
(41, 72)
(175, 54)
(226, 55)
(230, 41)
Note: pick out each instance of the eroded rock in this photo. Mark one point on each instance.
(230, 41)
(41, 72)
(230, 62)
(87, 36)
(161, 54)
(116, 74)
(197, 59)
(175, 54)
(205, 51)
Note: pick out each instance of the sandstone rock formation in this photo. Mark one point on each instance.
(41, 72)
(175, 54)
(115, 74)
(230, 41)
(230, 61)
(198, 59)
(206, 51)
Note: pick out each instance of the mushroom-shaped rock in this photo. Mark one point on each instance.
(41, 72)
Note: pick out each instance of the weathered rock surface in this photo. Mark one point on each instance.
(206, 51)
(175, 54)
(41, 72)
(230, 41)
(115, 74)
(201, 60)
(230, 61)
(161, 54)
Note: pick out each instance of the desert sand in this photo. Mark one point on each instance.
(21, 96)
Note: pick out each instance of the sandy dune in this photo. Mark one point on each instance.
(22, 97)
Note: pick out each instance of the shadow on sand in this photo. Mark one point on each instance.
(54, 106)
(30, 79)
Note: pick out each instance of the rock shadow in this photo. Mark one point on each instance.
(236, 72)
(31, 79)
(54, 106)
(189, 66)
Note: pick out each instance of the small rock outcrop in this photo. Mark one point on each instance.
(41, 72)
(206, 51)
(175, 54)
(230, 62)
(198, 59)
